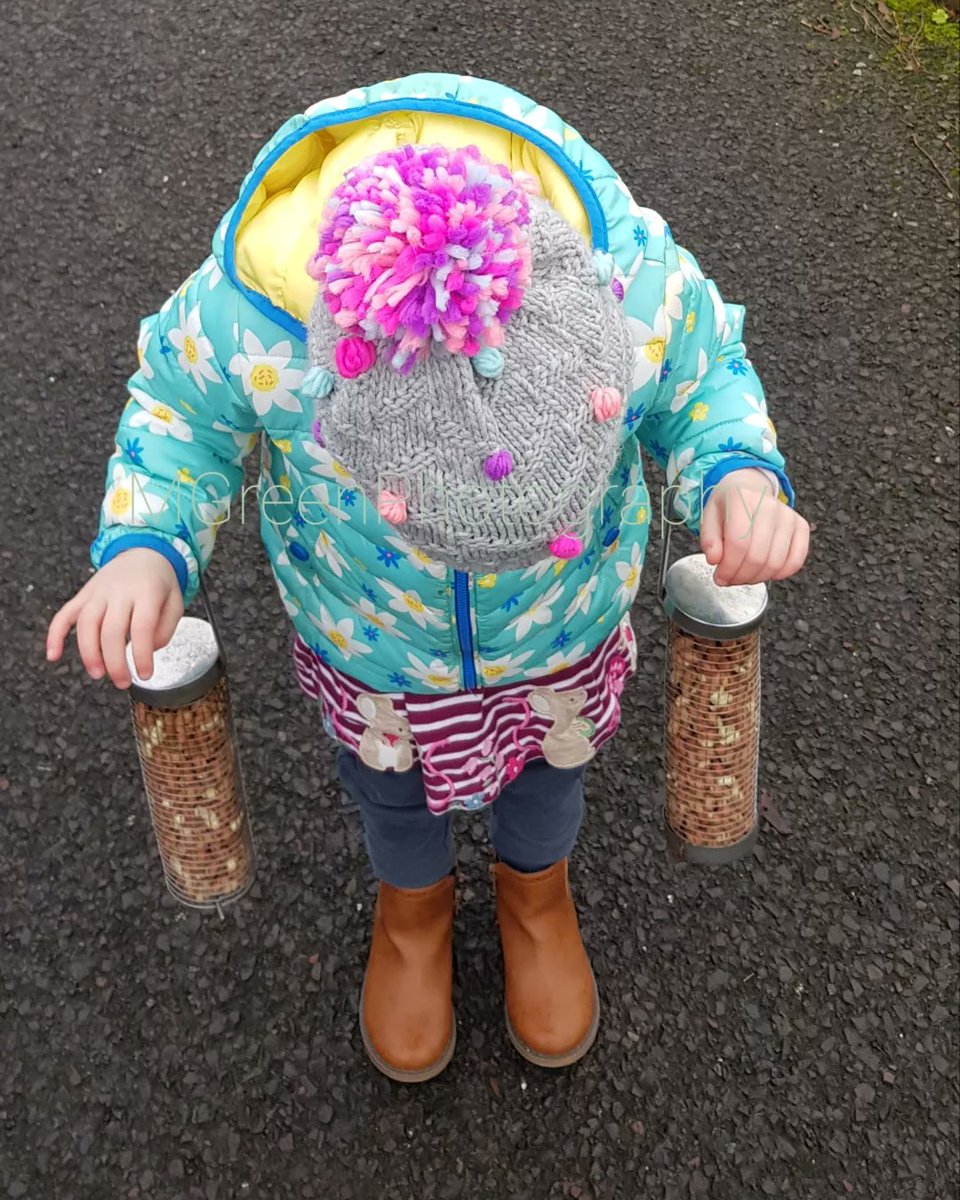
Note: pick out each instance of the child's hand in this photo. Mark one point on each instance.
(748, 535)
(136, 593)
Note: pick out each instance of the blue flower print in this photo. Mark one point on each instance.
(640, 235)
(586, 173)
(472, 803)
(398, 679)
(371, 632)
(440, 652)
(658, 451)
(624, 476)
(585, 560)
(666, 369)
(299, 519)
(321, 652)
(370, 594)
(510, 602)
(736, 366)
(134, 451)
(348, 498)
(389, 558)
(730, 444)
(607, 514)
(635, 415)
(183, 532)
(165, 346)
(226, 421)
(561, 640)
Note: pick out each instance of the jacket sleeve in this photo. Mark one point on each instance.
(708, 415)
(183, 435)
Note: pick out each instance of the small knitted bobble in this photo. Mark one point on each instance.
(488, 362)
(603, 265)
(606, 402)
(498, 465)
(318, 433)
(567, 545)
(617, 288)
(354, 356)
(317, 383)
(392, 507)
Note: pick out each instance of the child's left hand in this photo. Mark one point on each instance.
(749, 535)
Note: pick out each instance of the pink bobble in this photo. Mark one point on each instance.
(499, 465)
(567, 545)
(354, 356)
(607, 402)
(392, 507)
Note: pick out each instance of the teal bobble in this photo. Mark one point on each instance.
(603, 264)
(488, 362)
(317, 383)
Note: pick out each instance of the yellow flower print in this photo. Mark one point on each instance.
(283, 444)
(691, 322)
(487, 581)
(699, 411)
(184, 476)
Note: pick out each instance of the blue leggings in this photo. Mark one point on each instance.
(534, 821)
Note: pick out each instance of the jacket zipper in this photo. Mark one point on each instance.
(461, 603)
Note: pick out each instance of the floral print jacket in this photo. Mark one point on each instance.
(221, 364)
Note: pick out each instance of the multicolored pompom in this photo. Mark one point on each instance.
(422, 245)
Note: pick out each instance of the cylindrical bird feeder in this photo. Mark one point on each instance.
(191, 767)
(711, 711)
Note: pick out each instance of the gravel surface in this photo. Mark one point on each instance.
(786, 1027)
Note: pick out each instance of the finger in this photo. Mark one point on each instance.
(113, 641)
(711, 530)
(88, 637)
(63, 621)
(780, 546)
(753, 565)
(143, 627)
(741, 509)
(170, 616)
(799, 548)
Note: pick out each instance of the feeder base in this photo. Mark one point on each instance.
(708, 856)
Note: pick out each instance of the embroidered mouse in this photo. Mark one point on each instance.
(567, 742)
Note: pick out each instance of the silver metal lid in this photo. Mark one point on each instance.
(183, 670)
(694, 602)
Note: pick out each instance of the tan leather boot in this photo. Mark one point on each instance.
(551, 1001)
(406, 1007)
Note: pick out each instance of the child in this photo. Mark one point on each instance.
(450, 386)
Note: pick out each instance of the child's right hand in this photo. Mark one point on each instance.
(137, 595)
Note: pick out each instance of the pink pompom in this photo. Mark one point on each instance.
(422, 245)
(499, 465)
(607, 403)
(528, 183)
(567, 545)
(392, 507)
(354, 356)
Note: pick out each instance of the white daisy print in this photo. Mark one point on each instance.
(561, 660)
(540, 118)
(435, 674)
(325, 550)
(494, 669)
(688, 267)
(339, 633)
(687, 387)
(582, 598)
(410, 602)
(127, 502)
(143, 342)
(212, 516)
(541, 568)
(290, 568)
(268, 378)
(318, 494)
(211, 272)
(629, 575)
(245, 442)
(672, 305)
(384, 621)
(326, 465)
(539, 613)
(160, 419)
(417, 559)
(194, 351)
(758, 418)
(649, 347)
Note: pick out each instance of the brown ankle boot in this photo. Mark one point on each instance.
(406, 1007)
(551, 1000)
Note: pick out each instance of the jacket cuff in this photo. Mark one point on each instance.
(738, 463)
(150, 541)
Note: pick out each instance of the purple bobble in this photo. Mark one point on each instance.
(318, 433)
(617, 288)
(499, 465)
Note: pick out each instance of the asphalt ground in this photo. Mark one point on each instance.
(786, 1027)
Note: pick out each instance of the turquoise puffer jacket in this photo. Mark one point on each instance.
(221, 365)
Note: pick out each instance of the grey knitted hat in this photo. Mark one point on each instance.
(491, 461)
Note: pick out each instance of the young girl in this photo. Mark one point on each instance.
(451, 329)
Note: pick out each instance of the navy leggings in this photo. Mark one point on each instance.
(534, 821)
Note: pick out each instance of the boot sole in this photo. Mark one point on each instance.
(398, 1074)
(567, 1059)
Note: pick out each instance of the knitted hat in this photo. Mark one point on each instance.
(469, 358)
